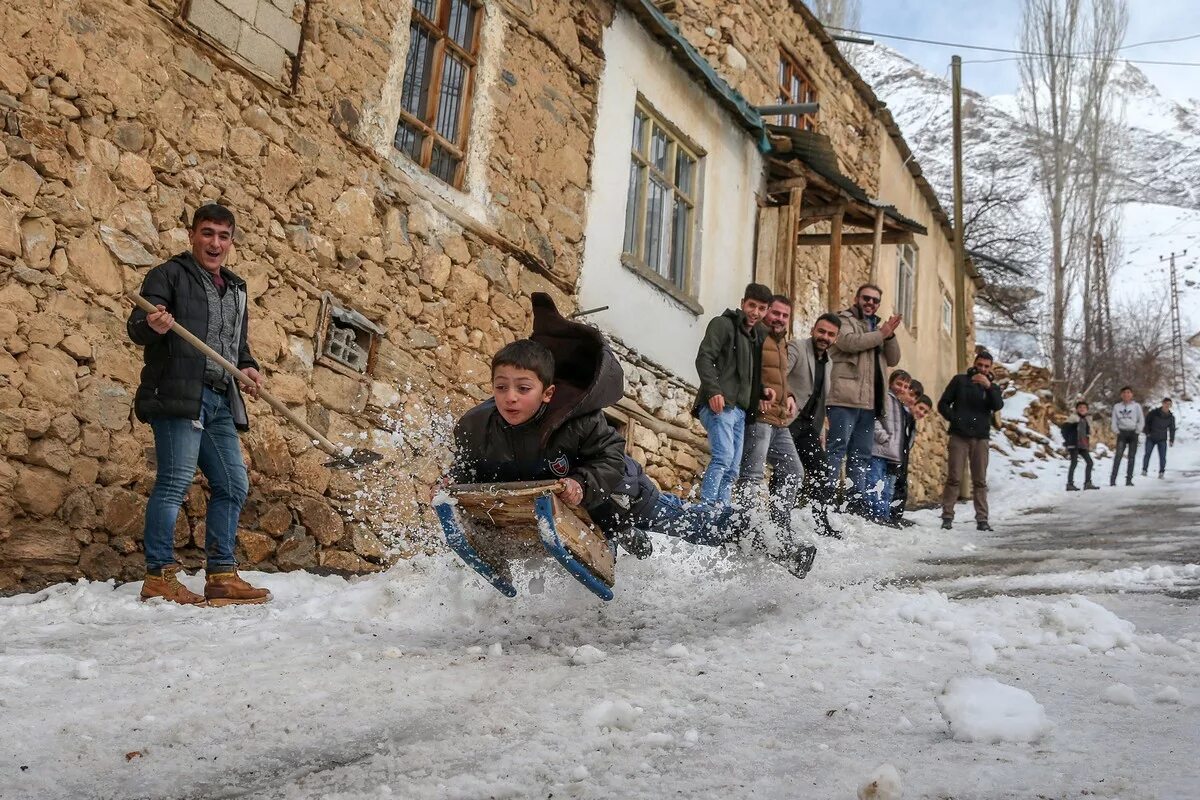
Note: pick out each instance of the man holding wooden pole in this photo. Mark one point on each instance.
(195, 408)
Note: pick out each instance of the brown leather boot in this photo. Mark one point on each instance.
(227, 589)
(168, 587)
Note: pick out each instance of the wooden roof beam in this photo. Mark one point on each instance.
(853, 239)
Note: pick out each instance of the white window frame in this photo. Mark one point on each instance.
(679, 278)
(907, 259)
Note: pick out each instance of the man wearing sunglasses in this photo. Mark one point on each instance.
(861, 357)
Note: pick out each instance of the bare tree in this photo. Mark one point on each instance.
(838, 13)
(1061, 93)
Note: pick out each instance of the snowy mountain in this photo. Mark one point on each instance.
(1160, 189)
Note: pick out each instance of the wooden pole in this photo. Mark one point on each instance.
(876, 245)
(834, 290)
(960, 262)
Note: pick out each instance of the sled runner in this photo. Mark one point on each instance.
(488, 525)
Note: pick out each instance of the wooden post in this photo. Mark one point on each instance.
(960, 261)
(833, 292)
(876, 245)
(785, 254)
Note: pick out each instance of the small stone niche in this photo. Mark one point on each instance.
(346, 340)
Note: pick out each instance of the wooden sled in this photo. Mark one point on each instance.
(488, 525)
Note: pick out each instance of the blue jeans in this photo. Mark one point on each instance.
(771, 444)
(881, 488)
(726, 432)
(1161, 444)
(695, 523)
(850, 440)
(181, 445)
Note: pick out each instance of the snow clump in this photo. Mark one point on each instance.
(613, 714)
(985, 710)
(1167, 694)
(884, 784)
(1078, 620)
(1119, 695)
(586, 654)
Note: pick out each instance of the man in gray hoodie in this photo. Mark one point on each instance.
(1127, 422)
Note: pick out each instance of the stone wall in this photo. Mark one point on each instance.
(119, 120)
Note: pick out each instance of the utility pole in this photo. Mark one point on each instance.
(960, 264)
(1176, 330)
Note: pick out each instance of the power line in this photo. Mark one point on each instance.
(1016, 54)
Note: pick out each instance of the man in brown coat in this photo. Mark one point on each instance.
(767, 439)
(864, 350)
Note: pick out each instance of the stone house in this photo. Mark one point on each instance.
(405, 173)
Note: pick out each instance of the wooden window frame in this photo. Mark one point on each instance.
(634, 256)
(438, 30)
(907, 309)
(789, 67)
(947, 314)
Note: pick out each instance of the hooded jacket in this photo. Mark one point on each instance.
(727, 362)
(861, 356)
(1160, 426)
(173, 373)
(889, 432)
(569, 437)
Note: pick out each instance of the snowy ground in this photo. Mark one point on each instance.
(968, 665)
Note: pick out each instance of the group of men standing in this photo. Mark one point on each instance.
(809, 406)
(1127, 421)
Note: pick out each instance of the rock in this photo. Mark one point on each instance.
(281, 172)
(207, 132)
(258, 547)
(466, 285)
(10, 230)
(105, 403)
(325, 524)
(49, 373)
(90, 261)
(100, 562)
(134, 217)
(12, 75)
(44, 329)
(422, 339)
(339, 392)
(93, 190)
(8, 323)
(52, 453)
(296, 550)
(21, 181)
(435, 270)
(40, 542)
(124, 513)
(456, 248)
(367, 544)
(76, 347)
(268, 451)
(134, 173)
(37, 241)
(275, 520)
(341, 561)
(353, 214)
(127, 249)
(291, 389)
(40, 490)
(470, 368)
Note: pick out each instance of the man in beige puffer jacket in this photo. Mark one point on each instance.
(861, 356)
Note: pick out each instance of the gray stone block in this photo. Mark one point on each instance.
(272, 22)
(243, 8)
(262, 51)
(217, 21)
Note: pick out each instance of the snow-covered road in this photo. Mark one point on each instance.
(706, 677)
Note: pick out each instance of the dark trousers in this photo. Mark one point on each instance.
(900, 493)
(1078, 455)
(1151, 444)
(815, 490)
(1127, 442)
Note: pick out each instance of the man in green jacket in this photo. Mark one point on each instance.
(728, 368)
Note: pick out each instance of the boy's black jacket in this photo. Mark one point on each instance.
(570, 436)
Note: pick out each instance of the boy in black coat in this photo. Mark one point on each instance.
(545, 421)
(1077, 436)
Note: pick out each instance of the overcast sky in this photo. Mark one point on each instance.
(996, 23)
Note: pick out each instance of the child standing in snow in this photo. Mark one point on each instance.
(917, 405)
(887, 453)
(1077, 436)
(1127, 422)
(545, 421)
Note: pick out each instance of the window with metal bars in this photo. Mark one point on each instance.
(435, 97)
(796, 87)
(906, 284)
(660, 212)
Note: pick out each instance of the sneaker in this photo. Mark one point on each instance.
(982, 525)
(1112, 482)
(1129, 481)
(167, 587)
(1090, 485)
(1143, 473)
(636, 543)
(1072, 487)
(947, 524)
(1162, 475)
(228, 588)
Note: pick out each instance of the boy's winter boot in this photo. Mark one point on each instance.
(800, 560)
(947, 524)
(1161, 474)
(636, 543)
(1129, 481)
(1072, 487)
(1090, 485)
(982, 525)
(227, 588)
(166, 585)
(1143, 473)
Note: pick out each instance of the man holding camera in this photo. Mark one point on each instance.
(968, 404)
